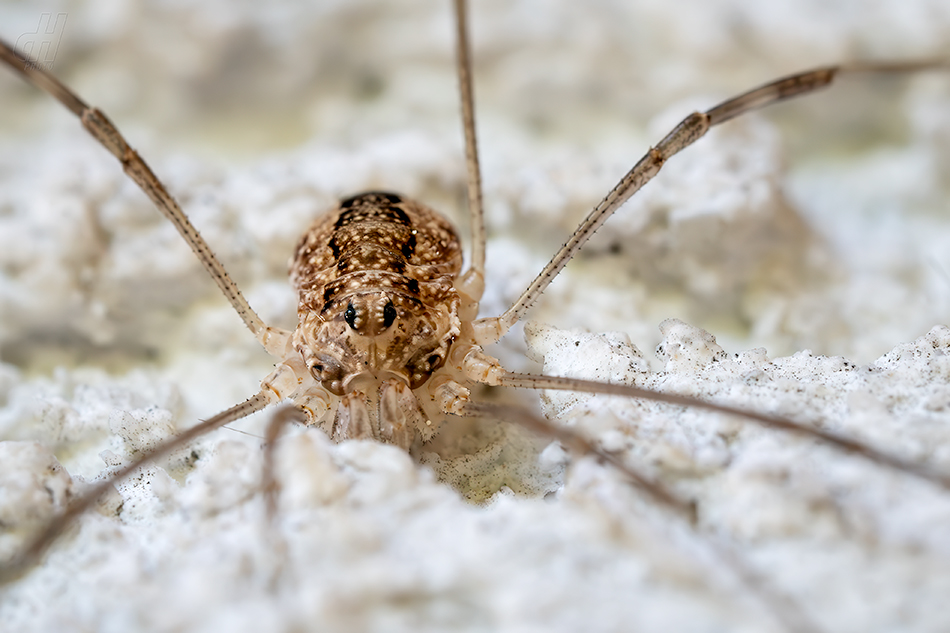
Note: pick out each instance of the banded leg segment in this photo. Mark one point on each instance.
(103, 130)
(690, 130)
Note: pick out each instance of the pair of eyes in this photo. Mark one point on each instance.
(389, 315)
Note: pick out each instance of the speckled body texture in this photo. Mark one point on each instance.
(821, 225)
(376, 295)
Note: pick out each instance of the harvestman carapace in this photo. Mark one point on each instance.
(389, 341)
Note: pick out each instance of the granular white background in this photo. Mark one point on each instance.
(821, 226)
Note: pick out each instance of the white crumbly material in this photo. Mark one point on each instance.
(824, 228)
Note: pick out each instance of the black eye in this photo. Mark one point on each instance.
(350, 316)
(389, 314)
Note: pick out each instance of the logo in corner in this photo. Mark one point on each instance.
(42, 44)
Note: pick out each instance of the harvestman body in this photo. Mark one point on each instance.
(379, 314)
(388, 342)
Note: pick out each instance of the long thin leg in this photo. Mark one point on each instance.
(102, 129)
(690, 130)
(476, 273)
(789, 614)
(33, 553)
(577, 442)
(269, 484)
(531, 381)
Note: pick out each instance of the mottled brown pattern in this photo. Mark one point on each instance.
(379, 312)
(373, 231)
(376, 297)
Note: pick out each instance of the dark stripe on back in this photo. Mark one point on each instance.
(377, 206)
(371, 197)
(377, 212)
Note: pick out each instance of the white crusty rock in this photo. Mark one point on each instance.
(820, 226)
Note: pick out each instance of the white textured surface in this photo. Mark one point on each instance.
(258, 116)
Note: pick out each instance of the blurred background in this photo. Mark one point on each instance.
(820, 225)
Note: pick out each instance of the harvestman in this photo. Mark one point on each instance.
(388, 341)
